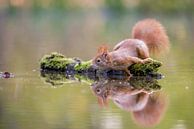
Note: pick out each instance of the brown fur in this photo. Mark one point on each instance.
(153, 34)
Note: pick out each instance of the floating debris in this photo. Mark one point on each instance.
(6, 75)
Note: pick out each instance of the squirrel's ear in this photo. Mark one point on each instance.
(103, 49)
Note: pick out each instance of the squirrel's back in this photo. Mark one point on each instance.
(153, 34)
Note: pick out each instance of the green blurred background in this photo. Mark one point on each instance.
(161, 6)
(30, 29)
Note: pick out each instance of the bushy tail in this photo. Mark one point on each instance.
(153, 34)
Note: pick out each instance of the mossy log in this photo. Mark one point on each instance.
(58, 62)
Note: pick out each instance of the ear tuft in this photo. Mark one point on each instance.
(103, 49)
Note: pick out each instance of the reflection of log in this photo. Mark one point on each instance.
(58, 79)
(58, 62)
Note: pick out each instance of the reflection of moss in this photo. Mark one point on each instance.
(146, 83)
(58, 62)
(59, 79)
(84, 79)
(55, 79)
(138, 83)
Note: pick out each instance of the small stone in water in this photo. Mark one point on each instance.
(6, 75)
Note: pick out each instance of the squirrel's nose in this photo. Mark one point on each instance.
(94, 66)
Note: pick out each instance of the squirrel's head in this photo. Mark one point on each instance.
(103, 59)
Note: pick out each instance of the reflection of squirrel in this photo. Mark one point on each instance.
(152, 112)
(121, 92)
(148, 36)
(147, 108)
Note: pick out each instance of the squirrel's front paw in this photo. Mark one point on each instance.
(147, 60)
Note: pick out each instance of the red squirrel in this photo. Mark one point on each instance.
(148, 36)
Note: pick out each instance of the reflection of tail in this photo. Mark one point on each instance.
(152, 113)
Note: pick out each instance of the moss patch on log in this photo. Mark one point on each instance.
(144, 69)
(83, 65)
(58, 62)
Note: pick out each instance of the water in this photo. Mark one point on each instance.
(27, 101)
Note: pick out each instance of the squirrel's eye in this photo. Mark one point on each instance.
(98, 91)
(98, 60)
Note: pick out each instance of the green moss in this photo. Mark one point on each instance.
(144, 69)
(55, 61)
(83, 65)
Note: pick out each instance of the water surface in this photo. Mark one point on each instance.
(27, 101)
